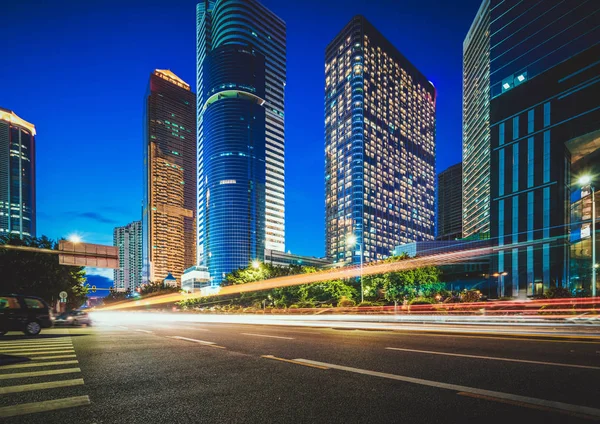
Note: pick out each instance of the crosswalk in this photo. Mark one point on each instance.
(39, 375)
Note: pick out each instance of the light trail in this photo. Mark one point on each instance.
(315, 277)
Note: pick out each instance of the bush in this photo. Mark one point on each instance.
(422, 301)
(306, 304)
(557, 293)
(326, 305)
(344, 302)
(293, 307)
(365, 303)
(469, 296)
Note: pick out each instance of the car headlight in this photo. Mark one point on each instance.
(69, 318)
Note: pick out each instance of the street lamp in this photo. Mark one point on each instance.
(255, 264)
(583, 181)
(500, 276)
(351, 242)
(74, 238)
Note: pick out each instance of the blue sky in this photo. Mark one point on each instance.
(78, 70)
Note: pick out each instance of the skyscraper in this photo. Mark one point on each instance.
(379, 147)
(449, 204)
(17, 175)
(544, 95)
(476, 125)
(168, 214)
(129, 241)
(241, 74)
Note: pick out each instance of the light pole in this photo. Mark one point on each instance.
(500, 276)
(351, 241)
(587, 180)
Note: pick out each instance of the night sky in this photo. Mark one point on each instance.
(78, 70)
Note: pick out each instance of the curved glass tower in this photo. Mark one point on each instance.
(17, 175)
(241, 80)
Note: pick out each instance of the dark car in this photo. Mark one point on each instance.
(24, 313)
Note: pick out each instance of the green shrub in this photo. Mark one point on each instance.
(366, 303)
(422, 301)
(345, 302)
(293, 307)
(557, 293)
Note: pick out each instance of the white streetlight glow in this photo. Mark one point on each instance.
(255, 264)
(350, 240)
(74, 238)
(585, 180)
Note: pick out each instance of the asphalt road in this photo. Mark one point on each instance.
(188, 372)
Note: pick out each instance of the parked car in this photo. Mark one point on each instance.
(24, 313)
(73, 318)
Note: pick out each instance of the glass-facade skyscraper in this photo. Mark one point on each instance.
(544, 96)
(476, 126)
(379, 147)
(17, 175)
(168, 211)
(449, 203)
(128, 239)
(241, 74)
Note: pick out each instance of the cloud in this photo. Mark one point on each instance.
(93, 216)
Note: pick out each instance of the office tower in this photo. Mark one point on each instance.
(449, 204)
(168, 214)
(129, 241)
(379, 147)
(17, 175)
(241, 74)
(476, 126)
(544, 95)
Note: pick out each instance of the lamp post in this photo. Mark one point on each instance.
(500, 276)
(351, 241)
(587, 180)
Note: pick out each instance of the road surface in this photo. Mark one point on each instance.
(177, 372)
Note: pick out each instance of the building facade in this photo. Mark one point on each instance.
(274, 257)
(241, 74)
(128, 239)
(17, 175)
(544, 68)
(476, 125)
(449, 203)
(169, 205)
(379, 147)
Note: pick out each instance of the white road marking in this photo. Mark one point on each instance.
(42, 358)
(41, 342)
(41, 386)
(458, 388)
(144, 331)
(264, 335)
(122, 327)
(33, 349)
(52, 352)
(38, 364)
(495, 358)
(38, 373)
(49, 405)
(191, 340)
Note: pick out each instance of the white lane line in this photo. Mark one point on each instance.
(37, 364)
(42, 358)
(29, 353)
(49, 405)
(265, 335)
(34, 346)
(38, 373)
(36, 341)
(33, 349)
(458, 388)
(144, 331)
(191, 340)
(495, 358)
(41, 386)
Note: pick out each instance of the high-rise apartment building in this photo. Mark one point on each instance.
(449, 203)
(241, 74)
(169, 205)
(128, 239)
(379, 147)
(476, 126)
(544, 95)
(17, 175)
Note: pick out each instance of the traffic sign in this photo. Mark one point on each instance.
(93, 289)
(63, 294)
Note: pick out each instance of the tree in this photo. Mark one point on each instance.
(400, 285)
(39, 274)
